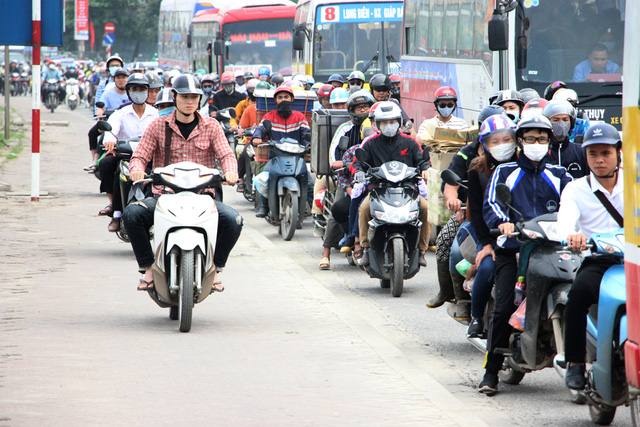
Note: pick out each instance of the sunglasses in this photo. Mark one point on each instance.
(448, 105)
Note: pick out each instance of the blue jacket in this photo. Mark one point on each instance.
(569, 155)
(535, 190)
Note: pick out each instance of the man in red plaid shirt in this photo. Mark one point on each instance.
(194, 138)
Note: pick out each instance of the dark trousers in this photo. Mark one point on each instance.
(138, 219)
(94, 133)
(334, 231)
(354, 214)
(109, 180)
(499, 329)
(584, 292)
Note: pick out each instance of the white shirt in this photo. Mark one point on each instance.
(581, 211)
(127, 125)
(454, 122)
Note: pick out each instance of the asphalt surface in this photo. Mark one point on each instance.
(285, 344)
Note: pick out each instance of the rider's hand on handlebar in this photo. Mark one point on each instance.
(137, 175)
(506, 228)
(108, 146)
(256, 141)
(230, 178)
(577, 242)
(454, 205)
(424, 175)
(337, 165)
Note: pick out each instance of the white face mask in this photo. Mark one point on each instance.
(445, 112)
(390, 130)
(503, 152)
(535, 152)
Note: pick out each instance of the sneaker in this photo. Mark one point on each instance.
(262, 212)
(574, 378)
(476, 328)
(489, 384)
(90, 167)
(364, 261)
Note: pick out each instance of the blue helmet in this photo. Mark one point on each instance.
(264, 71)
(495, 123)
(339, 95)
(335, 78)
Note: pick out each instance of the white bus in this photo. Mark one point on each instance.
(447, 43)
(340, 36)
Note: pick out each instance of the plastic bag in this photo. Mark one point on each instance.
(261, 183)
(517, 319)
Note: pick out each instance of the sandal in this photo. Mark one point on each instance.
(358, 253)
(240, 188)
(146, 286)
(324, 264)
(107, 211)
(217, 287)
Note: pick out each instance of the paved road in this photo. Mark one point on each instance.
(285, 344)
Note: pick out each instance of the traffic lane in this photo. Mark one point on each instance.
(454, 362)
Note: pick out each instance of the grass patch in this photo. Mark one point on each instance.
(11, 148)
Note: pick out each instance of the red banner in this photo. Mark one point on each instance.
(92, 33)
(82, 19)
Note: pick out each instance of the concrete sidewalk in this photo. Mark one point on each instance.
(79, 345)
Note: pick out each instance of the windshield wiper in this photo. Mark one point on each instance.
(601, 95)
(370, 63)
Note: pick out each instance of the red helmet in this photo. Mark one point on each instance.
(396, 78)
(325, 90)
(284, 89)
(227, 77)
(445, 92)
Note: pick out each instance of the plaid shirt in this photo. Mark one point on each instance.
(206, 143)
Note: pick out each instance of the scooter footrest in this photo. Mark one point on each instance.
(503, 351)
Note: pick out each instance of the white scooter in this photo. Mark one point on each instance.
(184, 238)
(73, 93)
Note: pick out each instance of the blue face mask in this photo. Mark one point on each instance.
(207, 89)
(166, 111)
(112, 70)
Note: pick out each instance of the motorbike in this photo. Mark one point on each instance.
(549, 275)
(395, 227)
(51, 98)
(224, 118)
(25, 83)
(606, 387)
(73, 93)
(184, 238)
(287, 185)
(16, 87)
(249, 193)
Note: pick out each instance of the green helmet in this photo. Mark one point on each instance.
(263, 86)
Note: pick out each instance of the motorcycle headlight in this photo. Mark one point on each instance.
(186, 178)
(395, 215)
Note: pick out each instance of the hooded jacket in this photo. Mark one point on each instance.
(569, 155)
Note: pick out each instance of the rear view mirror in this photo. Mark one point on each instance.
(232, 113)
(104, 126)
(343, 144)
(100, 104)
(361, 155)
(307, 137)
(218, 47)
(189, 40)
(450, 177)
(298, 40)
(498, 32)
(503, 194)
(266, 124)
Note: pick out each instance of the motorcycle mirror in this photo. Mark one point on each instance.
(361, 155)
(451, 178)
(503, 194)
(266, 124)
(104, 126)
(232, 113)
(100, 104)
(307, 137)
(426, 152)
(343, 144)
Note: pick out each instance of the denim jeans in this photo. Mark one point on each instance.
(354, 213)
(483, 281)
(138, 219)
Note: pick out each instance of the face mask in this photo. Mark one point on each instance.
(166, 111)
(445, 112)
(139, 97)
(359, 118)
(514, 115)
(560, 130)
(395, 91)
(503, 152)
(609, 45)
(207, 90)
(112, 70)
(354, 88)
(228, 89)
(390, 130)
(284, 108)
(239, 82)
(535, 152)
(252, 97)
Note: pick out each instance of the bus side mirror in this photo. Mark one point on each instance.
(498, 32)
(218, 47)
(298, 40)
(189, 39)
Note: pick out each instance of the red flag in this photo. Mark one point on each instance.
(92, 33)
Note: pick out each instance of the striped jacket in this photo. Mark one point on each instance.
(295, 126)
(535, 190)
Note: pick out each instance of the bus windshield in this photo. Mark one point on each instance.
(569, 41)
(349, 35)
(265, 42)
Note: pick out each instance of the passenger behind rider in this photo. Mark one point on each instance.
(536, 191)
(581, 216)
(164, 103)
(597, 63)
(388, 146)
(195, 138)
(454, 196)
(497, 138)
(112, 64)
(115, 96)
(582, 120)
(358, 105)
(561, 150)
(286, 123)
(227, 97)
(396, 83)
(155, 86)
(512, 103)
(127, 123)
(380, 87)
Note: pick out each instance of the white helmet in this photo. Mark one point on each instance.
(387, 110)
(565, 94)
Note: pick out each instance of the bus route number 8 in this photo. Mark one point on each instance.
(330, 14)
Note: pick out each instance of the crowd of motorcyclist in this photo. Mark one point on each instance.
(542, 148)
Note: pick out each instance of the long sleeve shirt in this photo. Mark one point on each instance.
(126, 125)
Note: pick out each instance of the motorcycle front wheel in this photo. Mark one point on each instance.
(187, 281)
(52, 101)
(602, 416)
(397, 271)
(290, 211)
(635, 412)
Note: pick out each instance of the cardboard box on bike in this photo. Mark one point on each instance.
(303, 102)
(324, 124)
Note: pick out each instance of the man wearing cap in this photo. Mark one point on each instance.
(117, 95)
(194, 138)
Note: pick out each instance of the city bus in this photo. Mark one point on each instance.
(173, 26)
(631, 147)
(341, 36)
(246, 38)
(447, 43)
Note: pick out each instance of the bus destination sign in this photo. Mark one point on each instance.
(359, 12)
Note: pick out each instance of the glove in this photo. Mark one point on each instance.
(359, 176)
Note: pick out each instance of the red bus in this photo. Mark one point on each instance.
(247, 38)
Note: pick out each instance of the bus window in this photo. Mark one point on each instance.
(449, 28)
(434, 40)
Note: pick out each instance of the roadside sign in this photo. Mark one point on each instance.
(109, 28)
(109, 38)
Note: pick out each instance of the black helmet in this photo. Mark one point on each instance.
(509, 95)
(380, 83)
(534, 122)
(359, 97)
(186, 84)
(335, 78)
(121, 72)
(601, 133)
(489, 111)
(527, 94)
(114, 58)
(277, 79)
(155, 82)
(552, 88)
(248, 75)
